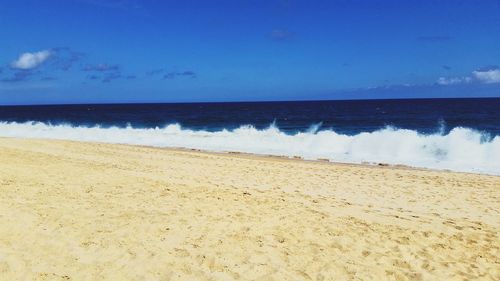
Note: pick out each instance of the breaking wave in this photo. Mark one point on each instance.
(461, 149)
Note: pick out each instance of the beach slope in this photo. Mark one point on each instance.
(87, 211)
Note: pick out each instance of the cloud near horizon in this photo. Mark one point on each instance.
(453, 80)
(27, 61)
(485, 75)
(488, 77)
(102, 67)
(187, 73)
(18, 76)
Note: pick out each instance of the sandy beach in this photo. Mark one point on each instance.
(87, 211)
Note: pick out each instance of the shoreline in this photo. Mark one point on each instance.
(264, 156)
(97, 211)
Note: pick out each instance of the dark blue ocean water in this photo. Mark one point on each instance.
(347, 117)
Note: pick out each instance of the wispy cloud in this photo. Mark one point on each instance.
(65, 58)
(106, 77)
(155, 72)
(171, 74)
(102, 67)
(111, 76)
(453, 80)
(27, 61)
(93, 77)
(48, 78)
(19, 76)
(187, 73)
(488, 68)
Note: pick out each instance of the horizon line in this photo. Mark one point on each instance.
(251, 101)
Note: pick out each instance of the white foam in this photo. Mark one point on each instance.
(462, 149)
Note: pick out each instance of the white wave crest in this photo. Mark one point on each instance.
(462, 149)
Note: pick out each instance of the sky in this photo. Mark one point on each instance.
(114, 51)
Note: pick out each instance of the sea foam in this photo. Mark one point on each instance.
(461, 149)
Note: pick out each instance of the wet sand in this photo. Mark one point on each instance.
(87, 211)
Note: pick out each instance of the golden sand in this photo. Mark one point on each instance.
(81, 211)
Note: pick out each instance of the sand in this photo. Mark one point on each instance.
(82, 211)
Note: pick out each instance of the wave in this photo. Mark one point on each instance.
(461, 149)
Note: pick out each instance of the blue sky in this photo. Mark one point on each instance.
(79, 51)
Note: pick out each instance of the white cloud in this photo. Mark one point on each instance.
(488, 76)
(453, 80)
(31, 60)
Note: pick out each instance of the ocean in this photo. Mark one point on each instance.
(451, 134)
